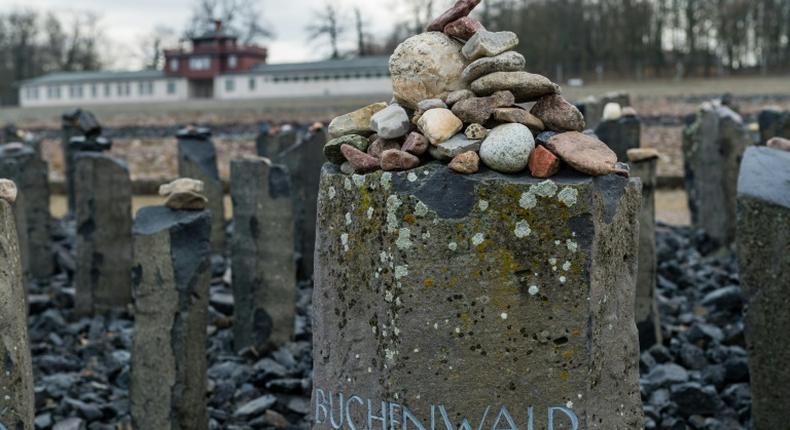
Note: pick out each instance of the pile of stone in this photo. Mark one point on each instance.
(460, 94)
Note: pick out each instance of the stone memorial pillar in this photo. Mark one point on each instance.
(621, 134)
(773, 123)
(20, 164)
(76, 123)
(17, 405)
(171, 280)
(712, 149)
(643, 166)
(264, 274)
(592, 108)
(103, 245)
(763, 250)
(197, 159)
(484, 301)
(310, 181)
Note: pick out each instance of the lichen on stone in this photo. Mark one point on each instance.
(411, 177)
(359, 180)
(546, 188)
(404, 239)
(420, 209)
(344, 241)
(568, 196)
(401, 271)
(483, 205)
(331, 193)
(572, 246)
(522, 229)
(478, 239)
(528, 200)
(386, 180)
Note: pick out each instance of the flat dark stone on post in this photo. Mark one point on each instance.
(171, 281)
(773, 123)
(197, 159)
(516, 307)
(103, 247)
(17, 405)
(763, 259)
(620, 135)
(264, 274)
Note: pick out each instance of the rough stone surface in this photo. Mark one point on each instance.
(542, 163)
(197, 159)
(304, 182)
(263, 270)
(391, 122)
(466, 163)
(30, 174)
(463, 28)
(357, 122)
(429, 320)
(332, 150)
(476, 132)
(647, 318)
(763, 241)
(460, 9)
(271, 143)
(380, 145)
(186, 200)
(584, 153)
(8, 191)
(181, 185)
(489, 44)
(479, 109)
(779, 143)
(16, 377)
(394, 159)
(360, 161)
(171, 280)
(712, 149)
(426, 66)
(526, 87)
(456, 96)
(621, 134)
(510, 61)
(507, 148)
(439, 125)
(450, 149)
(520, 116)
(103, 247)
(557, 114)
(415, 144)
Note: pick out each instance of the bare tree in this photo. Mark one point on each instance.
(151, 45)
(326, 25)
(242, 17)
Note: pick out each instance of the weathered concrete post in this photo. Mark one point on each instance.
(103, 194)
(197, 159)
(171, 280)
(442, 298)
(763, 250)
(712, 149)
(264, 274)
(76, 123)
(16, 376)
(621, 134)
(21, 164)
(310, 181)
(773, 123)
(643, 166)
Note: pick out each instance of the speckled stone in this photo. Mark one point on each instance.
(357, 122)
(510, 61)
(360, 161)
(393, 159)
(463, 28)
(332, 150)
(507, 148)
(415, 144)
(557, 114)
(527, 87)
(466, 163)
(397, 294)
(380, 145)
(476, 132)
(584, 153)
(457, 145)
(489, 44)
(438, 125)
(8, 190)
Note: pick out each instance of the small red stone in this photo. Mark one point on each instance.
(393, 159)
(542, 163)
(463, 28)
(460, 9)
(380, 145)
(361, 162)
(416, 144)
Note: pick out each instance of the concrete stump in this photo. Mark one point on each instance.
(23, 166)
(310, 179)
(197, 159)
(712, 149)
(17, 405)
(264, 273)
(171, 280)
(621, 135)
(592, 108)
(764, 261)
(484, 301)
(773, 123)
(647, 318)
(76, 123)
(103, 245)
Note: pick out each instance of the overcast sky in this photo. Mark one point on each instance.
(125, 21)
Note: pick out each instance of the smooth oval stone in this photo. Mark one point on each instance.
(357, 122)
(489, 44)
(558, 115)
(332, 150)
(507, 148)
(527, 87)
(450, 149)
(438, 125)
(510, 61)
(584, 153)
(426, 66)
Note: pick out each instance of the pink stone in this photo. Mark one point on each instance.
(460, 9)
(361, 162)
(463, 28)
(393, 159)
(779, 143)
(380, 145)
(416, 144)
(542, 163)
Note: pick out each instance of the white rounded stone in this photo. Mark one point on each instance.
(612, 112)
(507, 148)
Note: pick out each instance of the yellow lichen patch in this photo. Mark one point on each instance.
(409, 219)
(428, 282)
(568, 354)
(564, 375)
